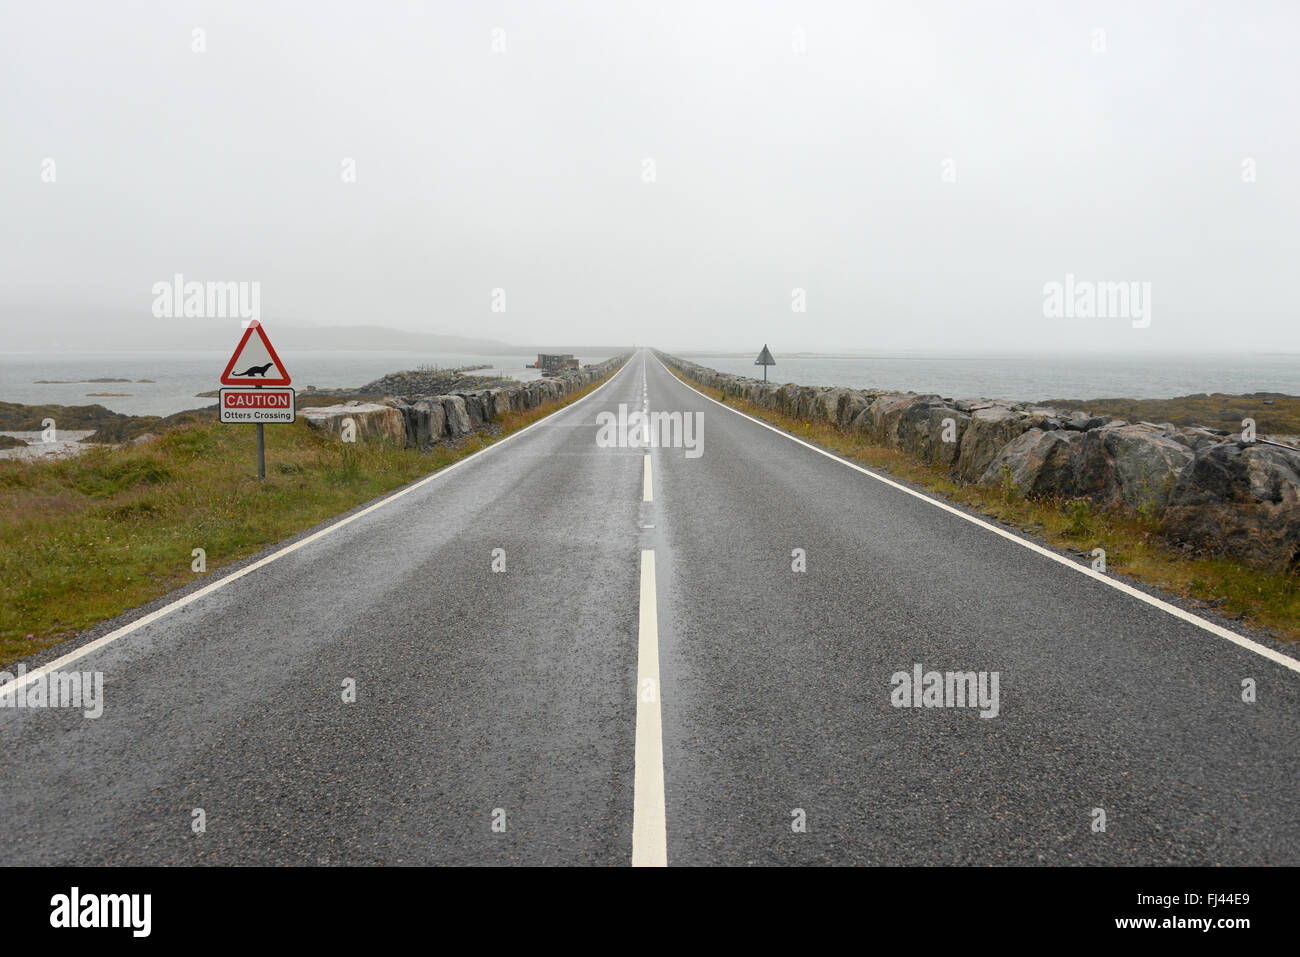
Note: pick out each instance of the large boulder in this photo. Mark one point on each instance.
(426, 423)
(878, 419)
(1133, 465)
(988, 430)
(1037, 462)
(921, 426)
(826, 406)
(766, 394)
(1136, 465)
(787, 398)
(374, 422)
(804, 399)
(852, 402)
(1243, 500)
(457, 417)
(498, 402)
(474, 409)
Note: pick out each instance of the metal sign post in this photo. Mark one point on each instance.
(261, 447)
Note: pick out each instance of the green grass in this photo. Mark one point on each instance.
(85, 538)
(1132, 540)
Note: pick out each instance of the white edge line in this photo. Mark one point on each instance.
(1263, 650)
(208, 589)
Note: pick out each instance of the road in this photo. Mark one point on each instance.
(649, 680)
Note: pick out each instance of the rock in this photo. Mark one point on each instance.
(987, 431)
(474, 409)
(852, 402)
(1197, 438)
(1128, 464)
(786, 397)
(1038, 462)
(1134, 464)
(457, 416)
(504, 401)
(920, 429)
(375, 422)
(766, 394)
(826, 406)
(426, 423)
(412, 384)
(879, 419)
(1079, 422)
(1242, 500)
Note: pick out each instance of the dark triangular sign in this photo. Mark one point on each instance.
(765, 358)
(255, 361)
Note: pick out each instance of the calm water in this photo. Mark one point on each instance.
(179, 375)
(1031, 378)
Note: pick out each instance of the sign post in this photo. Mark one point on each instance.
(765, 359)
(259, 404)
(261, 447)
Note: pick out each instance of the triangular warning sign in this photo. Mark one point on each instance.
(255, 361)
(765, 358)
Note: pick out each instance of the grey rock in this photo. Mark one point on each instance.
(458, 423)
(1242, 500)
(375, 422)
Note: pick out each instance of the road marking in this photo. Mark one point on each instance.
(647, 485)
(649, 823)
(1218, 630)
(194, 596)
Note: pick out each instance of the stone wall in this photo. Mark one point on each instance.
(1212, 492)
(420, 422)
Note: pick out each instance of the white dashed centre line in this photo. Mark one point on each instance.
(649, 824)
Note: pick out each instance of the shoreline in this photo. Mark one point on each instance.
(83, 426)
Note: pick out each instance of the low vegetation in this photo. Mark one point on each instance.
(1274, 413)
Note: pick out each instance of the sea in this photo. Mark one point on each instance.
(1033, 378)
(178, 377)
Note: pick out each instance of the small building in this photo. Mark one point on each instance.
(556, 363)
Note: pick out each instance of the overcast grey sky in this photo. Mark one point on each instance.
(921, 170)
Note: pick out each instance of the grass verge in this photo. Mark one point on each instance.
(1133, 543)
(85, 538)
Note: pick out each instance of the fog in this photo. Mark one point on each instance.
(684, 175)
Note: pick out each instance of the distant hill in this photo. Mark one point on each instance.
(134, 334)
(382, 339)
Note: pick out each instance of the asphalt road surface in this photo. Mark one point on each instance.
(651, 680)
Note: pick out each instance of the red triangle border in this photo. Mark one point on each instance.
(228, 379)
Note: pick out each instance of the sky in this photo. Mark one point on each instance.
(875, 178)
